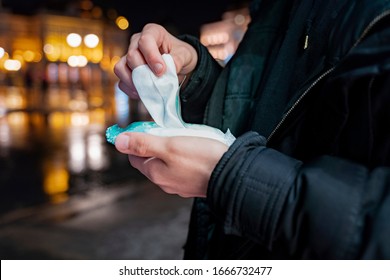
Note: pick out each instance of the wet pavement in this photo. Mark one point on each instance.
(65, 193)
(128, 221)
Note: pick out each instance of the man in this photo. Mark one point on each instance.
(307, 95)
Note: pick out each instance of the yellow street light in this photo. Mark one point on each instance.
(122, 22)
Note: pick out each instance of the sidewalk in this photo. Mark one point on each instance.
(128, 221)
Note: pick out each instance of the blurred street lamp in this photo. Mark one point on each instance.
(77, 61)
(12, 65)
(122, 23)
(74, 40)
(91, 40)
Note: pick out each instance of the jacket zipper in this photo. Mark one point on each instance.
(364, 34)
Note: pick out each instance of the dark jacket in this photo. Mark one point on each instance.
(308, 96)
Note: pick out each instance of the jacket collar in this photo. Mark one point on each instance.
(353, 23)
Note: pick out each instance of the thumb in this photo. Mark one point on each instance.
(140, 144)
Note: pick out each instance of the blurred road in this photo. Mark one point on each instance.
(135, 220)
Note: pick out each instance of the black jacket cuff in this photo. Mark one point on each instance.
(196, 93)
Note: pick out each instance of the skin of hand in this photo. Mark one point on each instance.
(147, 47)
(179, 165)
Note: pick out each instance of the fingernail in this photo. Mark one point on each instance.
(122, 142)
(158, 67)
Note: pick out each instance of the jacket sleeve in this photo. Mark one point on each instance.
(326, 209)
(196, 93)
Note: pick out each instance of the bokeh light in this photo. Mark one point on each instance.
(74, 40)
(122, 23)
(91, 40)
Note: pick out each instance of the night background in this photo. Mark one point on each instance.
(185, 16)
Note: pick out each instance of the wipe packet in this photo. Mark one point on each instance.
(160, 95)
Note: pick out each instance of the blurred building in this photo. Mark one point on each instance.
(62, 46)
(222, 37)
(57, 82)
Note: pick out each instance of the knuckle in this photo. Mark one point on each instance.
(130, 54)
(145, 38)
(154, 174)
(140, 147)
(172, 147)
(167, 190)
(122, 86)
(149, 26)
(134, 37)
(117, 70)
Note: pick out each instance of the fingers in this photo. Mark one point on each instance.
(152, 43)
(145, 165)
(141, 144)
(145, 48)
(123, 72)
(134, 57)
(148, 166)
(154, 169)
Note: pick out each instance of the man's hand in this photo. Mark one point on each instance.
(147, 47)
(178, 165)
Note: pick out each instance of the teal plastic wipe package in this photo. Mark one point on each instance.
(160, 95)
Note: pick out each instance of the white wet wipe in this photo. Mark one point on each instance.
(160, 95)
